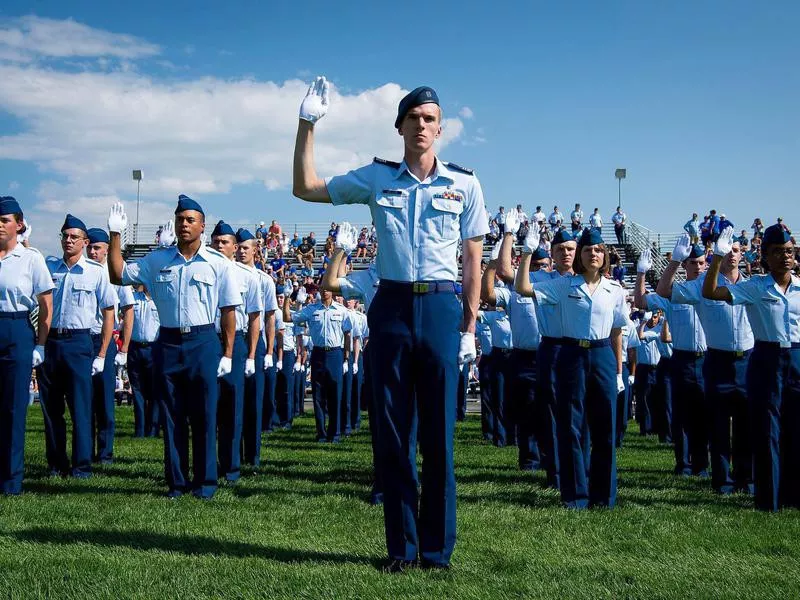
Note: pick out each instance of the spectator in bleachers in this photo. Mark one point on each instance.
(500, 217)
(524, 228)
(523, 216)
(556, 219)
(361, 245)
(158, 233)
(576, 219)
(742, 239)
(784, 226)
(692, 227)
(295, 242)
(620, 220)
(494, 232)
(333, 231)
(724, 223)
(278, 263)
(306, 249)
(758, 228)
(307, 270)
(261, 231)
(705, 231)
(311, 239)
(539, 217)
(274, 231)
(595, 220)
(714, 229)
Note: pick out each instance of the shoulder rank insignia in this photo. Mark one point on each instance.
(388, 163)
(459, 168)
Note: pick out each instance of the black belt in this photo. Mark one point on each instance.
(732, 353)
(552, 340)
(66, 333)
(419, 287)
(186, 330)
(689, 353)
(23, 314)
(328, 348)
(141, 344)
(778, 345)
(525, 351)
(586, 343)
(504, 351)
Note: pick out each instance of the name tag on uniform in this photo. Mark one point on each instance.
(770, 299)
(393, 192)
(575, 296)
(336, 317)
(317, 317)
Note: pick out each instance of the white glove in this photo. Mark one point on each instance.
(682, 249)
(315, 104)
(512, 221)
(346, 238)
(631, 379)
(645, 262)
(620, 383)
(466, 349)
(301, 296)
(249, 367)
(38, 356)
(117, 219)
(724, 244)
(298, 367)
(98, 364)
(345, 368)
(167, 236)
(225, 366)
(355, 368)
(121, 359)
(27, 235)
(496, 251)
(268, 362)
(531, 241)
(279, 365)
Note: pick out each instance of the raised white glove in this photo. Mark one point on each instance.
(346, 238)
(249, 367)
(301, 295)
(620, 383)
(645, 262)
(167, 236)
(682, 248)
(279, 365)
(38, 355)
(466, 349)
(724, 244)
(225, 366)
(531, 241)
(117, 219)
(631, 379)
(315, 104)
(98, 364)
(27, 234)
(345, 368)
(268, 362)
(512, 221)
(121, 359)
(496, 251)
(355, 368)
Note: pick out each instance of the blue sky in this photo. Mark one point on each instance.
(697, 100)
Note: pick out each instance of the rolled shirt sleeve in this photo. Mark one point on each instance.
(549, 292)
(473, 218)
(125, 294)
(229, 294)
(687, 292)
(41, 280)
(745, 292)
(137, 273)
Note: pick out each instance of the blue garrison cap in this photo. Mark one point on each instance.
(186, 203)
(73, 223)
(9, 206)
(590, 237)
(775, 234)
(243, 235)
(418, 97)
(561, 236)
(222, 228)
(539, 254)
(697, 251)
(97, 235)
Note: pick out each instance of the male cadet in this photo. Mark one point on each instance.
(104, 383)
(286, 366)
(576, 219)
(245, 344)
(730, 341)
(189, 283)
(81, 291)
(146, 405)
(350, 413)
(484, 334)
(689, 435)
(421, 208)
(254, 385)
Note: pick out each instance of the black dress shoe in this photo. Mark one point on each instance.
(399, 566)
(434, 566)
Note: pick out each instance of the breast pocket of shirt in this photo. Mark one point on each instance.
(202, 285)
(82, 293)
(446, 216)
(391, 214)
(165, 286)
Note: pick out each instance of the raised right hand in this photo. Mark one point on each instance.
(315, 104)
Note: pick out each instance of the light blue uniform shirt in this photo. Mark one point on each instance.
(357, 332)
(548, 316)
(774, 316)
(249, 286)
(484, 333)
(726, 326)
(664, 348)
(648, 352)
(362, 285)
(500, 325)
(687, 332)
(23, 276)
(618, 218)
(123, 296)
(186, 292)
(266, 290)
(326, 325)
(418, 223)
(79, 292)
(288, 329)
(145, 318)
(585, 316)
(630, 339)
(522, 315)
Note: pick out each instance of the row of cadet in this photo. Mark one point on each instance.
(186, 382)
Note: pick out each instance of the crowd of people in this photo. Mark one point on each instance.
(217, 344)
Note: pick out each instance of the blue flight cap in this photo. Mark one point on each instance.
(73, 223)
(590, 237)
(9, 206)
(243, 235)
(418, 97)
(561, 236)
(97, 235)
(222, 228)
(539, 254)
(186, 203)
(774, 234)
(697, 251)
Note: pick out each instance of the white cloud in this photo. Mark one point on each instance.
(466, 113)
(13, 185)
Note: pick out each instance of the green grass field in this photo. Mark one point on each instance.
(302, 528)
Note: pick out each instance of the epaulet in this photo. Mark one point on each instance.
(216, 252)
(95, 263)
(615, 282)
(52, 259)
(243, 267)
(32, 249)
(459, 168)
(388, 163)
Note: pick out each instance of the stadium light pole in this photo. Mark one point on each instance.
(620, 175)
(137, 177)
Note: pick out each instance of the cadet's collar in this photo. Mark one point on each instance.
(18, 250)
(81, 263)
(439, 170)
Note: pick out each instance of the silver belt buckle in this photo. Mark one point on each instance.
(786, 344)
(185, 330)
(60, 330)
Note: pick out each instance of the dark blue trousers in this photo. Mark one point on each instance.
(355, 396)
(586, 395)
(252, 419)
(16, 348)
(485, 379)
(347, 398)
(66, 377)
(300, 391)
(270, 416)
(547, 431)
(369, 397)
(186, 375)
(103, 404)
(326, 391)
(522, 403)
(688, 401)
(505, 428)
(414, 340)
(644, 389)
(773, 389)
(285, 389)
(230, 413)
(146, 406)
(463, 388)
(622, 406)
(662, 418)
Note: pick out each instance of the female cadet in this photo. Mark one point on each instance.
(24, 282)
(588, 368)
(773, 373)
